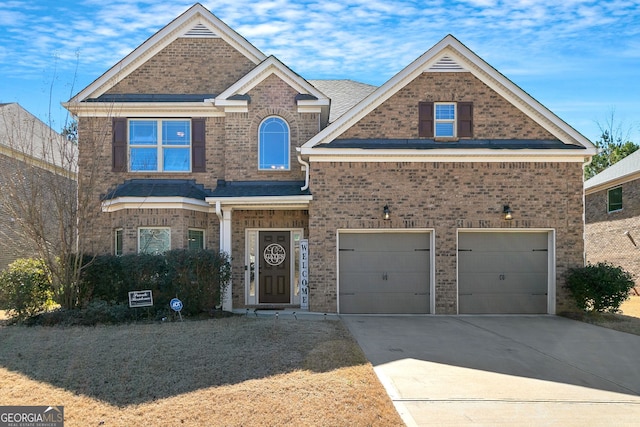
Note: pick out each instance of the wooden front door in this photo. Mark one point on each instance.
(275, 267)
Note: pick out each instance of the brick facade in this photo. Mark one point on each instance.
(493, 116)
(187, 65)
(422, 193)
(446, 197)
(605, 238)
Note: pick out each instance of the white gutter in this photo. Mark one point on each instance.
(305, 165)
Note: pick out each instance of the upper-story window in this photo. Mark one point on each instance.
(160, 145)
(614, 199)
(446, 120)
(150, 145)
(273, 144)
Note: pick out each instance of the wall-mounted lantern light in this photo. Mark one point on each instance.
(508, 213)
(386, 213)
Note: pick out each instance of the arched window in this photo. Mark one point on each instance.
(273, 144)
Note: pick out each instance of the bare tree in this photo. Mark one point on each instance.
(40, 198)
(614, 145)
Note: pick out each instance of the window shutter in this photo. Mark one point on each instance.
(198, 138)
(465, 119)
(119, 145)
(425, 119)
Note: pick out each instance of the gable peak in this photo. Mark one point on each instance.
(199, 30)
(446, 63)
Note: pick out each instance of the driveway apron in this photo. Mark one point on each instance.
(503, 370)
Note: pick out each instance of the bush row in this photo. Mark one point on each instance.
(197, 277)
(193, 276)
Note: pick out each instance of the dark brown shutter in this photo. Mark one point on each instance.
(425, 119)
(119, 145)
(465, 119)
(198, 146)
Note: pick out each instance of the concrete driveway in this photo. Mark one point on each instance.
(503, 370)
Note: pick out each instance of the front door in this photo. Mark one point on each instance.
(275, 267)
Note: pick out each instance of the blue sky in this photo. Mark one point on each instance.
(580, 58)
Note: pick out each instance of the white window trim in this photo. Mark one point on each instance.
(153, 228)
(204, 236)
(159, 147)
(288, 168)
(453, 121)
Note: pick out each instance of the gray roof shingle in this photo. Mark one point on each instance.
(190, 189)
(344, 94)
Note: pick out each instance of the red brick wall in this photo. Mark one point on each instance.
(445, 197)
(493, 117)
(188, 65)
(605, 238)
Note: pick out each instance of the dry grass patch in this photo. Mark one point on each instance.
(626, 321)
(232, 372)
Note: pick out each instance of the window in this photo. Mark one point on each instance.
(614, 199)
(273, 144)
(154, 240)
(196, 239)
(117, 247)
(160, 145)
(445, 120)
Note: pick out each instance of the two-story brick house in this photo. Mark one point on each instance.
(446, 190)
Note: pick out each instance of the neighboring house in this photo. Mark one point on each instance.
(446, 190)
(32, 157)
(612, 215)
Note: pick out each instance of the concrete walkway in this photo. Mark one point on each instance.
(503, 370)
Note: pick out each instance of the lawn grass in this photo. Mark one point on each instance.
(237, 371)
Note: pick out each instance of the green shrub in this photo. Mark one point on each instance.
(25, 288)
(600, 287)
(194, 276)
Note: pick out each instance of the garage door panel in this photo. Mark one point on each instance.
(387, 242)
(503, 262)
(384, 272)
(503, 242)
(396, 282)
(502, 303)
(503, 272)
(384, 261)
(532, 283)
(385, 303)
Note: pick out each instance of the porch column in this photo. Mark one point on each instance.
(225, 246)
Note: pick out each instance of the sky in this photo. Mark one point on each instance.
(579, 58)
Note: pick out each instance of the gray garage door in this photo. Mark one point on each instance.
(502, 273)
(384, 273)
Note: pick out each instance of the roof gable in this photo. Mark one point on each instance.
(312, 100)
(197, 21)
(450, 55)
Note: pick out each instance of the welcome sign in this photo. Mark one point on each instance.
(304, 274)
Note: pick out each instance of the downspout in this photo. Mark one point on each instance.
(219, 214)
(305, 165)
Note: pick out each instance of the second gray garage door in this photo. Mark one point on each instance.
(503, 272)
(384, 273)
